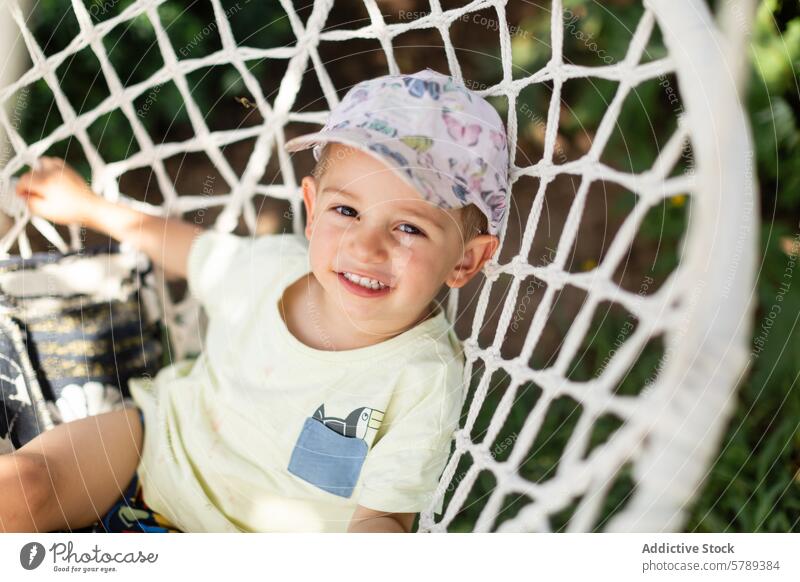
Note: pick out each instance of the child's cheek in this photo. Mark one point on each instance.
(333, 226)
(421, 272)
(328, 231)
(433, 269)
(401, 258)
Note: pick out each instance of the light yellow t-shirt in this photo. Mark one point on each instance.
(264, 433)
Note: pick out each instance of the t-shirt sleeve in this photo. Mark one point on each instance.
(403, 468)
(226, 273)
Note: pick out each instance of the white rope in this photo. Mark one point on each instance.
(670, 430)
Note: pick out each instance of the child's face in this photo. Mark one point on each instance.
(365, 220)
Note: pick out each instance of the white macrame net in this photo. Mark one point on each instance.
(670, 431)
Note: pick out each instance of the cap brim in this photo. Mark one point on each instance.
(357, 138)
(303, 142)
(353, 136)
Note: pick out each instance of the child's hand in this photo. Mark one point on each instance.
(57, 192)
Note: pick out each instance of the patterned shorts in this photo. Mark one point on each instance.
(131, 514)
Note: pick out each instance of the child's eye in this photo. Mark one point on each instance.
(345, 212)
(413, 229)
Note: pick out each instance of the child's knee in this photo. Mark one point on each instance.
(36, 477)
(27, 487)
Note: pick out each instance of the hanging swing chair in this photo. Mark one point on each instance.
(632, 458)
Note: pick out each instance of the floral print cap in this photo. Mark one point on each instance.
(446, 141)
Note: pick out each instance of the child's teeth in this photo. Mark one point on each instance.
(364, 281)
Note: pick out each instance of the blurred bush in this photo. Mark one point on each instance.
(134, 52)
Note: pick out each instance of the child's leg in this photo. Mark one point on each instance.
(70, 476)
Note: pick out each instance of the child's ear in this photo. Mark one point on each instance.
(309, 186)
(476, 252)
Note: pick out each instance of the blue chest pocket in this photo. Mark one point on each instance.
(326, 459)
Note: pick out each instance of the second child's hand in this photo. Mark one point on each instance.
(58, 193)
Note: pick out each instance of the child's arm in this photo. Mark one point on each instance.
(367, 520)
(56, 192)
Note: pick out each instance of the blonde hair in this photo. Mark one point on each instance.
(320, 166)
(473, 222)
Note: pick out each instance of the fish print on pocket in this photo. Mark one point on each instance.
(356, 424)
(330, 450)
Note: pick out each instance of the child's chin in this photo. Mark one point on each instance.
(364, 308)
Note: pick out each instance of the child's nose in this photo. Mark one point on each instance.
(369, 244)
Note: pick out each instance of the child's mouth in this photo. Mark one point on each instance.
(360, 290)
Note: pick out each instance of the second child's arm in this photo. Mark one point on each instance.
(165, 240)
(56, 192)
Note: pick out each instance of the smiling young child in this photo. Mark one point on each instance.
(330, 382)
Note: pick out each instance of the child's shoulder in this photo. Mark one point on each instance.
(427, 397)
(226, 271)
(288, 242)
(214, 243)
(435, 360)
(275, 252)
(437, 342)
